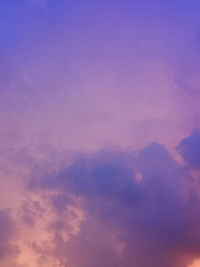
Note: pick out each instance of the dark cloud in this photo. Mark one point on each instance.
(189, 148)
(154, 220)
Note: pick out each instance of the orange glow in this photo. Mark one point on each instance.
(196, 263)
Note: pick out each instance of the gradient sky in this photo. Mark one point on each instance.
(99, 136)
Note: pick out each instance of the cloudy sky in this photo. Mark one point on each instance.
(100, 133)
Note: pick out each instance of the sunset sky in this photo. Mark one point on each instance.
(100, 133)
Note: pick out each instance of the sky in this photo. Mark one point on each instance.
(100, 133)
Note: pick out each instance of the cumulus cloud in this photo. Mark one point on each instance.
(106, 208)
(190, 149)
(126, 221)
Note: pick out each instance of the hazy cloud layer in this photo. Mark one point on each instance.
(95, 98)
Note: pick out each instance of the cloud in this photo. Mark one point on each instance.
(189, 148)
(106, 208)
(151, 221)
(8, 232)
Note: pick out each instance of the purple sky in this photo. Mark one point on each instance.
(99, 139)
